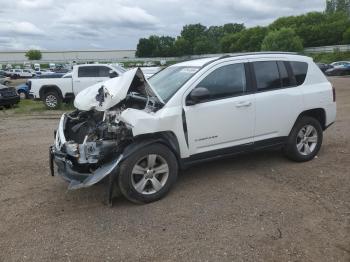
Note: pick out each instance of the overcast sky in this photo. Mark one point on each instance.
(118, 24)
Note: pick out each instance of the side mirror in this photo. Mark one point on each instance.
(198, 95)
(113, 74)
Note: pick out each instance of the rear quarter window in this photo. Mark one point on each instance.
(300, 71)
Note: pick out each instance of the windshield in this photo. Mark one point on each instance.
(167, 82)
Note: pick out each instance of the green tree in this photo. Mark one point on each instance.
(192, 32)
(228, 41)
(156, 46)
(144, 48)
(330, 6)
(248, 40)
(284, 39)
(346, 36)
(203, 45)
(33, 54)
(232, 28)
(182, 47)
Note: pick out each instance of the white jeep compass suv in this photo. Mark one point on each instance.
(139, 133)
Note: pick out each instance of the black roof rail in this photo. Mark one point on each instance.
(250, 53)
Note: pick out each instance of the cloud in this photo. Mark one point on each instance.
(107, 14)
(118, 24)
(34, 3)
(9, 27)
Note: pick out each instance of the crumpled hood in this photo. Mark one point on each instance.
(103, 96)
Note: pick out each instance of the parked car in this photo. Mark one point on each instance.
(8, 96)
(338, 71)
(21, 73)
(44, 72)
(324, 67)
(55, 90)
(140, 132)
(4, 80)
(341, 64)
(150, 71)
(23, 90)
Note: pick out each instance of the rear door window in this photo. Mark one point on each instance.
(267, 75)
(286, 80)
(299, 71)
(89, 71)
(104, 71)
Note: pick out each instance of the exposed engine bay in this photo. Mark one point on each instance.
(90, 140)
(94, 137)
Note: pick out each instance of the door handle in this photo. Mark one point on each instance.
(99, 81)
(243, 104)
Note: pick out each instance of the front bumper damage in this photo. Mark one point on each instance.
(76, 179)
(61, 165)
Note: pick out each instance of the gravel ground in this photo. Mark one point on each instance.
(257, 207)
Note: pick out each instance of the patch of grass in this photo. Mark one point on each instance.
(28, 106)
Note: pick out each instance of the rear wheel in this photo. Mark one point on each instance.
(52, 100)
(148, 174)
(305, 140)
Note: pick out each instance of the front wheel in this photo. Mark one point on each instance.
(148, 174)
(305, 140)
(22, 95)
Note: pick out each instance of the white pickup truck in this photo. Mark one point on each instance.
(52, 91)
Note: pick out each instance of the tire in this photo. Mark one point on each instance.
(305, 140)
(22, 95)
(52, 100)
(138, 179)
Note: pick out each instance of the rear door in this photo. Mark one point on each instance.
(278, 99)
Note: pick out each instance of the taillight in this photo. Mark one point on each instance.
(334, 94)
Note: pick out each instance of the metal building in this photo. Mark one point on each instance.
(69, 56)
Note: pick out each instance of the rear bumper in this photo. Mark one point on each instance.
(5, 101)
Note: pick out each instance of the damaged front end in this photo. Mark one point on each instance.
(90, 141)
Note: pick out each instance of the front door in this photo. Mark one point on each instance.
(226, 118)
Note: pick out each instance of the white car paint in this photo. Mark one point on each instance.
(267, 115)
(115, 89)
(227, 122)
(216, 124)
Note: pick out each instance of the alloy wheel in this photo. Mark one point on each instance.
(307, 140)
(150, 174)
(51, 101)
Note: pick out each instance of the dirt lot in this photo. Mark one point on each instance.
(258, 207)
